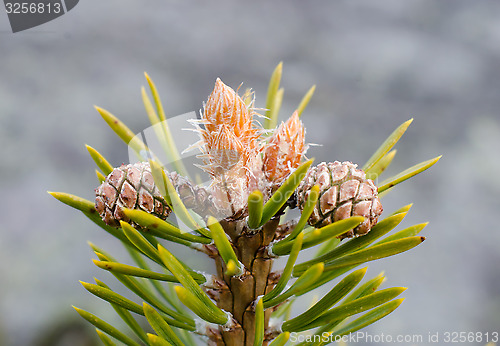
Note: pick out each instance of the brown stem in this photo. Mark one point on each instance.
(242, 291)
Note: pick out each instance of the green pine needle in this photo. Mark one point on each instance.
(140, 242)
(160, 326)
(87, 208)
(154, 223)
(327, 246)
(100, 161)
(273, 114)
(345, 310)
(317, 236)
(380, 229)
(309, 205)
(112, 297)
(156, 97)
(330, 299)
(223, 245)
(124, 133)
(279, 198)
(305, 100)
(367, 288)
(407, 174)
(155, 340)
(104, 338)
(274, 84)
(403, 209)
(171, 149)
(161, 127)
(126, 316)
(73, 201)
(407, 232)
(255, 208)
(387, 145)
(281, 340)
(374, 172)
(153, 117)
(300, 286)
(375, 252)
(287, 272)
(100, 176)
(259, 323)
(191, 286)
(205, 311)
(106, 327)
(139, 272)
(370, 317)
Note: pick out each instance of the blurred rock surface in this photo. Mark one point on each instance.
(375, 66)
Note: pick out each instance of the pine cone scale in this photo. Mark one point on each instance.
(128, 195)
(328, 200)
(109, 194)
(146, 200)
(348, 190)
(116, 177)
(344, 211)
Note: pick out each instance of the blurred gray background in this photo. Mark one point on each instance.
(375, 64)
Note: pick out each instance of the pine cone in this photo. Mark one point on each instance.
(344, 192)
(132, 186)
(193, 196)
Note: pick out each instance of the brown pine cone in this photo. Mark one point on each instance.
(193, 196)
(132, 186)
(344, 192)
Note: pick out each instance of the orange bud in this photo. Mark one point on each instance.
(285, 149)
(229, 136)
(225, 106)
(223, 149)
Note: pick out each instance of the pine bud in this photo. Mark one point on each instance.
(230, 149)
(285, 149)
(227, 120)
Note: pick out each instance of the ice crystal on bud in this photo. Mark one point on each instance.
(285, 149)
